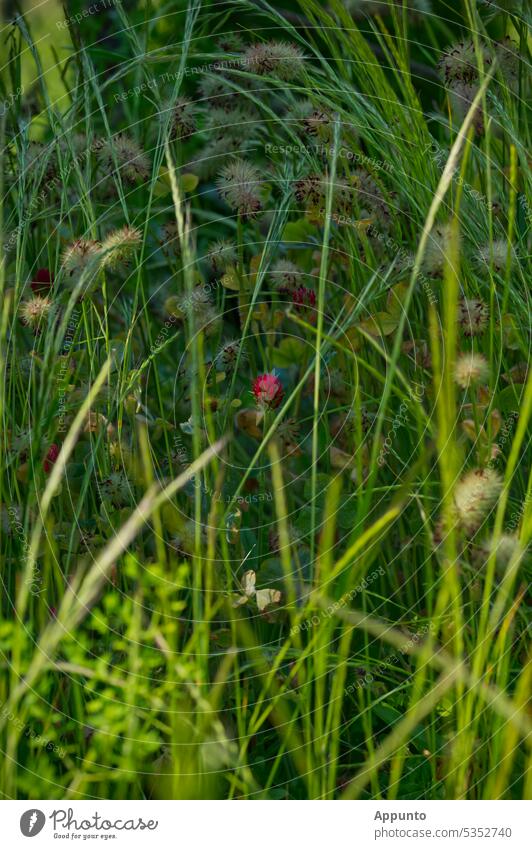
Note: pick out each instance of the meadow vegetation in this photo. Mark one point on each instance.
(265, 400)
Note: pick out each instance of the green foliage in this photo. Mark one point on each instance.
(265, 493)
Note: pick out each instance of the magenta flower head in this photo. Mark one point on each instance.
(268, 391)
(304, 301)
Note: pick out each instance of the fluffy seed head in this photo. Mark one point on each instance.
(310, 190)
(459, 63)
(288, 434)
(169, 239)
(312, 121)
(119, 246)
(285, 276)
(216, 87)
(207, 318)
(471, 369)
(507, 547)
(230, 42)
(494, 255)
(222, 254)
(79, 255)
(268, 391)
(278, 58)
(461, 95)
(369, 195)
(239, 184)
(474, 496)
(437, 249)
(233, 122)
(183, 120)
(228, 354)
(473, 315)
(216, 153)
(133, 163)
(35, 311)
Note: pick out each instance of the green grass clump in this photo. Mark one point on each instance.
(264, 339)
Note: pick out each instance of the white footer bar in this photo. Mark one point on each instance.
(256, 825)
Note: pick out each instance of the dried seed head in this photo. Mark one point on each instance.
(506, 549)
(344, 195)
(230, 42)
(310, 190)
(235, 122)
(319, 123)
(494, 255)
(228, 354)
(222, 254)
(473, 315)
(288, 434)
(35, 311)
(459, 63)
(80, 255)
(461, 95)
(239, 185)
(370, 198)
(437, 250)
(183, 120)
(131, 161)
(218, 89)
(286, 276)
(207, 318)
(471, 369)
(277, 58)
(119, 246)
(474, 496)
(216, 153)
(169, 239)
(310, 120)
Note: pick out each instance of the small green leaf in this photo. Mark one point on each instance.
(290, 352)
(298, 231)
(380, 324)
(189, 182)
